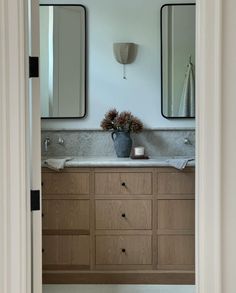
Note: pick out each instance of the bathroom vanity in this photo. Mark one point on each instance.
(120, 225)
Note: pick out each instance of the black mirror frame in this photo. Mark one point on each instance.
(161, 35)
(86, 63)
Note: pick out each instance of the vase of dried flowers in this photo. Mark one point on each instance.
(121, 125)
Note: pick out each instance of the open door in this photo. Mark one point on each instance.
(35, 146)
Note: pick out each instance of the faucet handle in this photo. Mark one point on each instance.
(61, 141)
(187, 140)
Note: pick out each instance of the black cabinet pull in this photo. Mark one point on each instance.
(123, 215)
(123, 183)
(43, 250)
(123, 250)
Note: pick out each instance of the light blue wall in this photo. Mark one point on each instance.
(112, 21)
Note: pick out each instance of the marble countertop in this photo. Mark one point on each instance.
(118, 162)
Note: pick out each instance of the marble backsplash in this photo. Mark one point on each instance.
(90, 143)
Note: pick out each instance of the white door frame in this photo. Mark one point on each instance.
(15, 275)
(35, 147)
(14, 176)
(208, 147)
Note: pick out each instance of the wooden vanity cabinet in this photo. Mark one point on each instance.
(175, 218)
(66, 219)
(118, 225)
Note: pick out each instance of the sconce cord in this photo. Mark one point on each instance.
(124, 72)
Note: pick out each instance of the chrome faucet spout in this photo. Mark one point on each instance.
(46, 143)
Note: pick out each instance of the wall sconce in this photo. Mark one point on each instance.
(125, 53)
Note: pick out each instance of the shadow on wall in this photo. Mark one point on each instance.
(118, 289)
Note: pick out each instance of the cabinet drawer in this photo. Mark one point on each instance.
(176, 183)
(65, 183)
(123, 183)
(61, 251)
(176, 214)
(123, 214)
(65, 214)
(123, 250)
(176, 252)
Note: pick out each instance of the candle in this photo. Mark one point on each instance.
(139, 151)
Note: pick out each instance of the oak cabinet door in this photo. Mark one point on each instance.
(123, 214)
(65, 183)
(123, 250)
(65, 214)
(176, 214)
(67, 251)
(176, 183)
(176, 252)
(123, 183)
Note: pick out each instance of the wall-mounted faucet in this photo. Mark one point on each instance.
(46, 143)
(187, 141)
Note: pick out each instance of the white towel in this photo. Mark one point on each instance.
(187, 100)
(179, 163)
(56, 164)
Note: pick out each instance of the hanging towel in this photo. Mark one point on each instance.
(179, 164)
(187, 100)
(56, 164)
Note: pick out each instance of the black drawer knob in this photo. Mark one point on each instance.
(123, 250)
(43, 250)
(123, 215)
(123, 184)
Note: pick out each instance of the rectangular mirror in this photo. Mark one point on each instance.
(178, 60)
(63, 61)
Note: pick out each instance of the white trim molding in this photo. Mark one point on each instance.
(35, 148)
(228, 200)
(209, 146)
(215, 189)
(14, 184)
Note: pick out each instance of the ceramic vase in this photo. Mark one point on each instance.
(122, 143)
